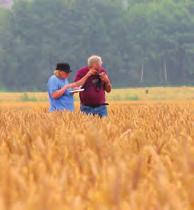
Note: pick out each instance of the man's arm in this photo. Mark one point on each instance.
(108, 87)
(83, 79)
(53, 89)
(107, 83)
(59, 93)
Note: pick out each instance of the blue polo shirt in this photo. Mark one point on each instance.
(65, 102)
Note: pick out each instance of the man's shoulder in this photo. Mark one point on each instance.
(81, 73)
(84, 69)
(52, 79)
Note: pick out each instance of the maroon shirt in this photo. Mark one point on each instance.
(94, 93)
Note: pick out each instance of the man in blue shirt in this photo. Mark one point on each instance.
(60, 97)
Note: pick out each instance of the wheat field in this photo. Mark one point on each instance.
(141, 157)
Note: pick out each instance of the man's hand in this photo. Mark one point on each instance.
(92, 71)
(60, 92)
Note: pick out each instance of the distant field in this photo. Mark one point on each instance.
(129, 94)
(141, 157)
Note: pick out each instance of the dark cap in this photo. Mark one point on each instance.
(63, 67)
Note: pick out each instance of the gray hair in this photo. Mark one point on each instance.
(93, 59)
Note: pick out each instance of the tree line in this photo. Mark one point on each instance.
(142, 42)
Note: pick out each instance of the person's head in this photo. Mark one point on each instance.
(62, 70)
(95, 61)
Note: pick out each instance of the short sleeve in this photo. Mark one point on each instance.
(52, 85)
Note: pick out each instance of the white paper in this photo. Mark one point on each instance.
(76, 90)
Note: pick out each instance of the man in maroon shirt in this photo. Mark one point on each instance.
(93, 97)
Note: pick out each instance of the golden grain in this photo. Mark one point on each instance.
(141, 157)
